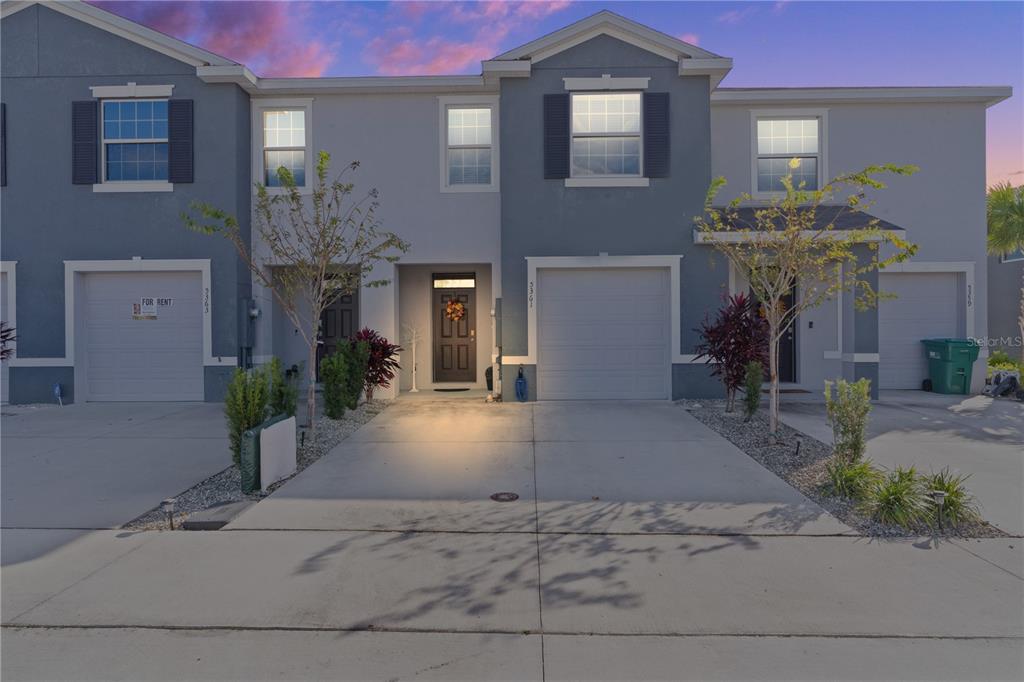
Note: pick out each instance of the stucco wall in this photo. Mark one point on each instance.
(1004, 280)
(48, 61)
(544, 218)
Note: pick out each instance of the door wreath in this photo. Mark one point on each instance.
(454, 310)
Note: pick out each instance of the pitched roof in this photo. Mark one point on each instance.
(137, 33)
(842, 217)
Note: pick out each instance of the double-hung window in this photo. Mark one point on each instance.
(469, 147)
(606, 134)
(284, 145)
(134, 140)
(779, 141)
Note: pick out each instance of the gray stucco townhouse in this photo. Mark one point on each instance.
(552, 195)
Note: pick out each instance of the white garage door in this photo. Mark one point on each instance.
(926, 306)
(134, 351)
(603, 334)
(4, 374)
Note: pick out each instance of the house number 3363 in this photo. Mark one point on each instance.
(529, 296)
(206, 300)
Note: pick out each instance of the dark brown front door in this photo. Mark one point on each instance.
(337, 324)
(787, 346)
(454, 341)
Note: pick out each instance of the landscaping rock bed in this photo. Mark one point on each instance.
(804, 468)
(226, 486)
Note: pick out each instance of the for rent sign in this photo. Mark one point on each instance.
(148, 306)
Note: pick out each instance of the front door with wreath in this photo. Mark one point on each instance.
(454, 302)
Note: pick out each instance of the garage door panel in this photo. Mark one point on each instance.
(129, 359)
(926, 306)
(603, 334)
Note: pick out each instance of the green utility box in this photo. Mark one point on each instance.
(250, 459)
(949, 364)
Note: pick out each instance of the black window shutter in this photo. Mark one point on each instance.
(556, 136)
(85, 142)
(657, 147)
(3, 144)
(179, 140)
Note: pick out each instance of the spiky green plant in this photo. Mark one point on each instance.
(959, 506)
(848, 405)
(357, 364)
(334, 375)
(752, 380)
(854, 480)
(900, 499)
(284, 391)
(245, 406)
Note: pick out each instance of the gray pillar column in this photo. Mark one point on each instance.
(860, 331)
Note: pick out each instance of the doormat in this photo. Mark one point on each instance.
(450, 390)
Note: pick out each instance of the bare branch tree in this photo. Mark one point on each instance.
(791, 240)
(311, 250)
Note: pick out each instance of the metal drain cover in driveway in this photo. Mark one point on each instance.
(505, 497)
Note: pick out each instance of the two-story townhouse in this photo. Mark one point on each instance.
(109, 133)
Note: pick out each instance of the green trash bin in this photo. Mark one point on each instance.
(949, 364)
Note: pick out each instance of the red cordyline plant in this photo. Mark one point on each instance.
(383, 365)
(738, 335)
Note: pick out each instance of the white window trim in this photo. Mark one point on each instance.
(10, 268)
(258, 107)
(820, 114)
(1011, 258)
(75, 267)
(535, 263)
(445, 103)
(119, 92)
(606, 82)
(638, 180)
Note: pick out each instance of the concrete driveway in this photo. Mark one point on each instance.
(99, 465)
(974, 435)
(622, 467)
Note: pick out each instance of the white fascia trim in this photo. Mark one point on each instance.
(235, 73)
(137, 33)
(701, 237)
(609, 23)
(492, 68)
(801, 112)
(10, 268)
(130, 90)
(604, 181)
(960, 267)
(201, 265)
(987, 95)
(716, 69)
(133, 186)
(861, 357)
(258, 105)
(342, 85)
(443, 104)
(606, 82)
(535, 263)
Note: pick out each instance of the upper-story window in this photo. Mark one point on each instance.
(780, 140)
(606, 134)
(134, 140)
(284, 145)
(469, 143)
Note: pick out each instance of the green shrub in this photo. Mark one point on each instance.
(848, 413)
(245, 406)
(855, 480)
(357, 366)
(900, 499)
(284, 390)
(959, 505)
(334, 378)
(752, 380)
(1001, 360)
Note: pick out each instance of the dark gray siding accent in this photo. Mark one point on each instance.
(1005, 281)
(84, 142)
(179, 141)
(557, 136)
(35, 384)
(657, 148)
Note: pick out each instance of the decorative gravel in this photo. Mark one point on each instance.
(226, 486)
(801, 461)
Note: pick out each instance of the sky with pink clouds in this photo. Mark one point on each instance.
(772, 43)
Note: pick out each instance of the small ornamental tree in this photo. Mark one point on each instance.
(308, 250)
(793, 239)
(383, 362)
(737, 337)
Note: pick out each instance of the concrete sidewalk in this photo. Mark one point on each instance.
(973, 435)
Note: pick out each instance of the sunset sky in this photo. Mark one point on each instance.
(787, 43)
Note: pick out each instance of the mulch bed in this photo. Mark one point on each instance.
(801, 461)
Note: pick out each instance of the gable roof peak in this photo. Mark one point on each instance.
(606, 22)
